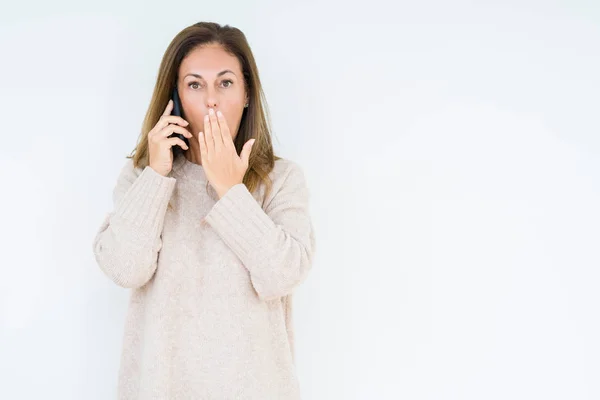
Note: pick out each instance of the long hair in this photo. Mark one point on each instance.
(255, 122)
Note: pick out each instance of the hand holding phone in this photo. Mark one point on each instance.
(168, 132)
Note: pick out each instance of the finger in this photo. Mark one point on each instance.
(208, 135)
(165, 121)
(169, 129)
(170, 119)
(216, 130)
(246, 150)
(173, 141)
(224, 128)
(202, 143)
(168, 108)
(174, 119)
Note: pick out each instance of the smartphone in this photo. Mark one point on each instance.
(177, 110)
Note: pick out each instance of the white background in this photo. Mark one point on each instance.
(452, 153)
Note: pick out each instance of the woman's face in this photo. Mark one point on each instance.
(209, 77)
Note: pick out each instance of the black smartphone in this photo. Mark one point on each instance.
(177, 110)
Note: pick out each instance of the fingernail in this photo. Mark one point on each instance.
(211, 111)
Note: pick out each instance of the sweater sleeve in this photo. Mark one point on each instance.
(127, 244)
(277, 244)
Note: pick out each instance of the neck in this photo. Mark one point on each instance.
(193, 153)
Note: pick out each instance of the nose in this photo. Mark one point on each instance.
(211, 100)
(213, 106)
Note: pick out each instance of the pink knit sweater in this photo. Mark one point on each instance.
(212, 281)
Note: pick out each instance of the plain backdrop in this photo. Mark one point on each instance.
(452, 152)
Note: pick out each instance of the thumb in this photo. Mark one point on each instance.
(245, 156)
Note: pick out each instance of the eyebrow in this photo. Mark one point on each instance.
(219, 74)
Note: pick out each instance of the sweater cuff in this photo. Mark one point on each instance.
(242, 223)
(145, 203)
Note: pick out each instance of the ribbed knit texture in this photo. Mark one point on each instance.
(210, 312)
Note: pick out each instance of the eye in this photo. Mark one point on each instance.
(229, 81)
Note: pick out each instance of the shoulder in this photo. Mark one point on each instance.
(129, 172)
(288, 177)
(286, 170)
(127, 176)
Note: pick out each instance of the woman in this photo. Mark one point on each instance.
(213, 240)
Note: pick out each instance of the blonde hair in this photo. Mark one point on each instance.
(255, 122)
